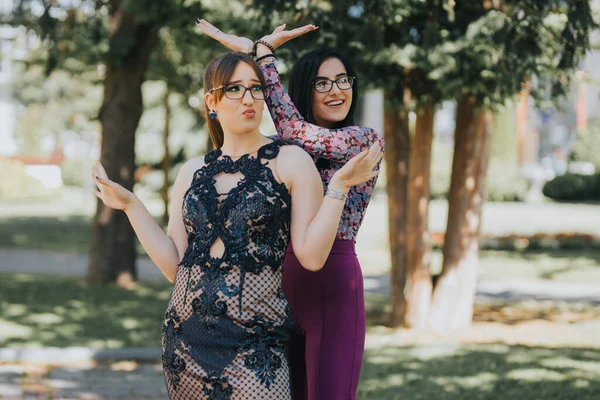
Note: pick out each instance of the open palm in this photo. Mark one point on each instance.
(111, 193)
(242, 44)
(235, 43)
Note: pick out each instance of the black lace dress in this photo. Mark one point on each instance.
(227, 325)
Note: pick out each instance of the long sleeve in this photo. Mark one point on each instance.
(334, 144)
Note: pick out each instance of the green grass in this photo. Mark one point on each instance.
(72, 234)
(480, 372)
(38, 310)
(69, 234)
(46, 310)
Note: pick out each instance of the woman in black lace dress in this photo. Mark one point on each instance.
(233, 213)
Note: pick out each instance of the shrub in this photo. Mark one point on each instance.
(573, 187)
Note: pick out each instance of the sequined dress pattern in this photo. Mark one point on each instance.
(226, 328)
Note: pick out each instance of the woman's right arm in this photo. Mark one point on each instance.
(165, 250)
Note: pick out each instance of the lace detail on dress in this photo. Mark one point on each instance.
(227, 324)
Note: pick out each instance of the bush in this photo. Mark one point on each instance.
(573, 187)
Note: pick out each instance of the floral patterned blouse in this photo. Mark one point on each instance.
(330, 148)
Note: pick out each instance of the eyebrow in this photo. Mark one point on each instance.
(239, 81)
(337, 76)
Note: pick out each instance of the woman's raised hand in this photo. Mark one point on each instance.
(359, 169)
(279, 36)
(242, 44)
(112, 194)
(235, 43)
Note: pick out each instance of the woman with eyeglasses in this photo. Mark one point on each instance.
(328, 306)
(233, 212)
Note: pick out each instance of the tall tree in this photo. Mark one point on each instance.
(501, 45)
(117, 38)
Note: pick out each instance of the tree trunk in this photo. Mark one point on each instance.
(418, 247)
(397, 139)
(165, 160)
(454, 295)
(112, 252)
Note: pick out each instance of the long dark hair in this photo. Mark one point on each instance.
(302, 76)
(218, 72)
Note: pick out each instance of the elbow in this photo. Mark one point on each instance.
(310, 263)
(379, 139)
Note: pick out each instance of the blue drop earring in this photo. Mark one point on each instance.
(212, 114)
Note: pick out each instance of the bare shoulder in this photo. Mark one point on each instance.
(292, 163)
(187, 170)
(292, 156)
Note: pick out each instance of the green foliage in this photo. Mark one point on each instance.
(54, 104)
(587, 145)
(573, 187)
(504, 182)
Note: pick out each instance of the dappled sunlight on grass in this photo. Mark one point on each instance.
(44, 310)
(486, 372)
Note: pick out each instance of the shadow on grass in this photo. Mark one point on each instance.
(378, 308)
(482, 372)
(48, 310)
(70, 233)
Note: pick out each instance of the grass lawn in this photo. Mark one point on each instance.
(72, 234)
(40, 310)
(480, 372)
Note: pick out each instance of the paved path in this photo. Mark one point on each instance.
(124, 380)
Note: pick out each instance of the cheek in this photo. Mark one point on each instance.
(318, 107)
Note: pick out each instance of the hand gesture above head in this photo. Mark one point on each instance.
(235, 43)
(242, 44)
(279, 36)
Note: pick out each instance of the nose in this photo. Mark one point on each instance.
(247, 99)
(335, 89)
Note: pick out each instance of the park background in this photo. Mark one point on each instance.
(509, 90)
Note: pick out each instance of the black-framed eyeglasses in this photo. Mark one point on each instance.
(324, 85)
(237, 92)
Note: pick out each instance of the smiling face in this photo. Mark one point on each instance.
(238, 116)
(333, 106)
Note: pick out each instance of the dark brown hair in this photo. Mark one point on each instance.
(219, 72)
(301, 83)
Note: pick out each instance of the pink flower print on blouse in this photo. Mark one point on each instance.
(330, 148)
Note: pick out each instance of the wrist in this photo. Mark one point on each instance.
(262, 48)
(133, 204)
(338, 185)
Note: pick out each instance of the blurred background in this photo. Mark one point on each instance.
(481, 246)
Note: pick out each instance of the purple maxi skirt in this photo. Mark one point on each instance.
(328, 338)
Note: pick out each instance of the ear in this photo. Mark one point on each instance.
(209, 98)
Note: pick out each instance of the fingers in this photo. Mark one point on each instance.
(280, 28)
(102, 172)
(209, 29)
(99, 175)
(294, 33)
